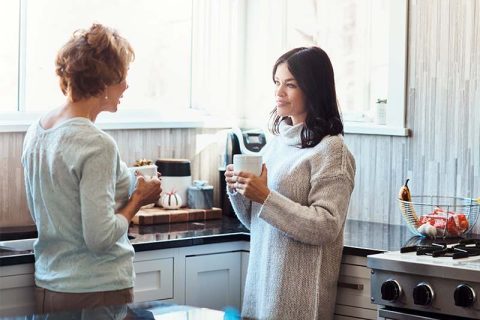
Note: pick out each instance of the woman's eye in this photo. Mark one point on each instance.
(292, 86)
(277, 83)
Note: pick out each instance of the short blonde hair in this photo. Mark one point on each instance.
(92, 60)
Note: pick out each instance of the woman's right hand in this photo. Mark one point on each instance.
(147, 190)
(230, 179)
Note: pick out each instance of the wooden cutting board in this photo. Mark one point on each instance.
(157, 215)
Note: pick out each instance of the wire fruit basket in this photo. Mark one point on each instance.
(437, 216)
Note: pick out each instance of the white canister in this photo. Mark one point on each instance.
(176, 177)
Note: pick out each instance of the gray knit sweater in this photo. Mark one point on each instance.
(297, 235)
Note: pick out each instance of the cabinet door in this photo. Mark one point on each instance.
(213, 280)
(154, 280)
(17, 290)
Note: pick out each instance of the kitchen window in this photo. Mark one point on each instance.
(366, 41)
(208, 57)
(159, 31)
(9, 20)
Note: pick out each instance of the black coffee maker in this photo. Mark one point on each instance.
(238, 141)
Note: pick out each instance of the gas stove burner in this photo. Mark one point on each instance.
(463, 249)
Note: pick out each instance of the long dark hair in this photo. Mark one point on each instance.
(313, 71)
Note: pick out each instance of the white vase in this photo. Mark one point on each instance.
(381, 113)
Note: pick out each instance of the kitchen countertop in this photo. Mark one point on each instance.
(361, 238)
(153, 310)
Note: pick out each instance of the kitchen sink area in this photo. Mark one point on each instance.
(20, 246)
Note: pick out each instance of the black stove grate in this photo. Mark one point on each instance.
(463, 249)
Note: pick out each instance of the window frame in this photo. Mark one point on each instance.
(397, 78)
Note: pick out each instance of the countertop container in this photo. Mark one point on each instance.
(176, 177)
(200, 195)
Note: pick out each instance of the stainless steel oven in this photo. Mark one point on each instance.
(411, 284)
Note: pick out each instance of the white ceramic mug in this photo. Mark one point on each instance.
(146, 171)
(248, 163)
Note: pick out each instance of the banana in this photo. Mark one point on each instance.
(407, 207)
(404, 193)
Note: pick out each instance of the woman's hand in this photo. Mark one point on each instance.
(229, 177)
(251, 186)
(148, 190)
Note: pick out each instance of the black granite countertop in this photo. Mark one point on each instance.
(154, 310)
(361, 237)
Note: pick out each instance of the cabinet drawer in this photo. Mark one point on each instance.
(17, 295)
(154, 280)
(353, 292)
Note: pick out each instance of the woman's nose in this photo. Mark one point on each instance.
(279, 91)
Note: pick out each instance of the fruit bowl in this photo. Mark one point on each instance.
(440, 217)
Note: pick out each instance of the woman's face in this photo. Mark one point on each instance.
(290, 100)
(113, 95)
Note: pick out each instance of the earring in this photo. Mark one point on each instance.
(106, 97)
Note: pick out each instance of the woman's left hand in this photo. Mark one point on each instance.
(251, 186)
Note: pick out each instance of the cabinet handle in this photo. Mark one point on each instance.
(350, 285)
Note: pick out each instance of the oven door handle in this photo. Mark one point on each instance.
(399, 315)
(354, 286)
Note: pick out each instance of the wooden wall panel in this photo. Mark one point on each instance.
(197, 145)
(13, 204)
(443, 112)
(442, 157)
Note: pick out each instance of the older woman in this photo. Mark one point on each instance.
(296, 211)
(78, 189)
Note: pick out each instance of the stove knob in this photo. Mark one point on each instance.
(423, 294)
(391, 290)
(464, 296)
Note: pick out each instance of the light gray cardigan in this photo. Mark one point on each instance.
(297, 235)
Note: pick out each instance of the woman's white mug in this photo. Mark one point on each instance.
(147, 172)
(248, 163)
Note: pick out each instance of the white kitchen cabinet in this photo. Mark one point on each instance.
(153, 280)
(353, 292)
(213, 280)
(17, 290)
(187, 275)
(211, 275)
(245, 257)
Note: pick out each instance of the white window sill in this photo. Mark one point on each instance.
(121, 121)
(375, 129)
(189, 119)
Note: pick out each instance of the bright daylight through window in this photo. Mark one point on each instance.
(366, 41)
(211, 55)
(9, 20)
